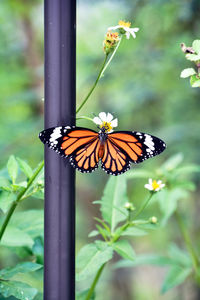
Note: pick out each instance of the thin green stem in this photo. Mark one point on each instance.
(105, 65)
(84, 118)
(143, 206)
(93, 87)
(92, 288)
(19, 198)
(188, 241)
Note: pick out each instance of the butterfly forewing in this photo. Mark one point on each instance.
(137, 146)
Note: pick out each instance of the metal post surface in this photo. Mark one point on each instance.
(60, 65)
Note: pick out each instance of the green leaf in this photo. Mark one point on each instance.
(24, 267)
(38, 250)
(31, 222)
(115, 196)
(124, 249)
(133, 231)
(195, 83)
(93, 233)
(173, 162)
(139, 174)
(145, 259)
(6, 198)
(179, 256)
(25, 168)
(14, 237)
(176, 276)
(82, 295)
(17, 289)
(193, 57)
(91, 257)
(187, 170)
(187, 72)
(12, 167)
(196, 46)
(168, 201)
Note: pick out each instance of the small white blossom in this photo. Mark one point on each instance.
(154, 185)
(125, 28)
(106, 121)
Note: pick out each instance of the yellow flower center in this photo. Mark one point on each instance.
(107, 126)
(125, 24)
(155, 185)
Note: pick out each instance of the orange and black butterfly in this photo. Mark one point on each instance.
(86, 147)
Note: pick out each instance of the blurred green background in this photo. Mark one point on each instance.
(142, 88)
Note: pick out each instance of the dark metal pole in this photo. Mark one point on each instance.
(60, 64)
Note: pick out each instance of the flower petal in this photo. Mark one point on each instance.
(97, 121)
(109, 117)
(102, 116)
(150, 181)
(127, 35)
(114, 123)
(114, 27)
(148, 187)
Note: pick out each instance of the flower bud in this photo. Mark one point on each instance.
(110, 42)
(129, 206)
(153, 220)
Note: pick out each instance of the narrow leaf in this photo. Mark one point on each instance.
(12, 167)
(25, 168)
(93, 233)
(24, 267)
(176, 276)
(124, 249)
(145, 259)
(133, 231)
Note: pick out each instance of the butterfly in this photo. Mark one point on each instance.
(116, 150)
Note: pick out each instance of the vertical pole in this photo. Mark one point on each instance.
(60, 64)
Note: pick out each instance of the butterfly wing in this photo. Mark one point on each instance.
(81, 145)
(137, 146)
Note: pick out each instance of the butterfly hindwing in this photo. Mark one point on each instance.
(137, 146)
(114, 161)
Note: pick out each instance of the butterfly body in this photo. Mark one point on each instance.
(86, 147)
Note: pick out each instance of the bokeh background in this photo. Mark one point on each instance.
(142, 87)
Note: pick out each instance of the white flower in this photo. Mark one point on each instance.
(106, 121)
(154, 185)
(125, 28)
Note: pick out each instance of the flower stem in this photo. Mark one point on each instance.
(19, 198)
(93, 87)
(188, 241)
(109, 61)
(92, 288)
(143, 206)
(101, 72)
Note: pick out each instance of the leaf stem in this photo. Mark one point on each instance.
(19, 198)
(92, 288)
(143, 206)
(93, 87)
(188, 241)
